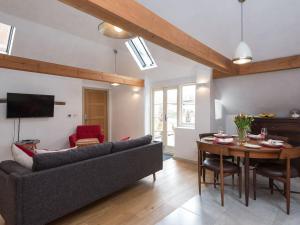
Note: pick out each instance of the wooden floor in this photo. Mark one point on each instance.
(144, 203)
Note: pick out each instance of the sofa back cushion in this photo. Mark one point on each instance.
(52, 160)
(133, 143)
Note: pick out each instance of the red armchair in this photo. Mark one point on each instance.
(86, 131)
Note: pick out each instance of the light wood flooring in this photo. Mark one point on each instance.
(144, 203)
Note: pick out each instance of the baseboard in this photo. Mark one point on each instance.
(185, 160)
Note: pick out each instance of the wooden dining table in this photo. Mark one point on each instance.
(237, 150)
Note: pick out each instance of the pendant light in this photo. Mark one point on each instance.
(243, 53)
(115, 52)
(112, 31)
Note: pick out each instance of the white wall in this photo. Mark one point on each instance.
(276, 92)
(127, 112)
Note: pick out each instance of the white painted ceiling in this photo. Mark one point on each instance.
(272, 27)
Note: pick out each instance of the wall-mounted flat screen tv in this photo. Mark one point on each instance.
(29, 106)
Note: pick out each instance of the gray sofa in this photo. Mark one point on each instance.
(49, 192)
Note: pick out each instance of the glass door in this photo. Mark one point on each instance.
(165, 117)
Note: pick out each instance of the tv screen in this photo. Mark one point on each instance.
(29, 106)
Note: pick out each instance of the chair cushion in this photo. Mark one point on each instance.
(52, 160)
(214, 165)
(275, 169)
(133, 143)
(216, 156)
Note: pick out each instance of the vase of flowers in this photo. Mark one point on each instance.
(243, 123)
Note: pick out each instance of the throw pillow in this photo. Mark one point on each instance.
(22, 156)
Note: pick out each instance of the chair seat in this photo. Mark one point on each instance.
(214, 164)
(216, 156)
(275, 170)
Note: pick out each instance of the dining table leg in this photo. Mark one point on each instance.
(247, 175)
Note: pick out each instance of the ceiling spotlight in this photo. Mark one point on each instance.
(112, 31)
(115, 84)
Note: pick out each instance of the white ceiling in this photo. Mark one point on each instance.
(272, 27)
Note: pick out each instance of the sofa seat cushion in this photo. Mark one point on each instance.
(10, 166)
(52, 160)
(133, 143)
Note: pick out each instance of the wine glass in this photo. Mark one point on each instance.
(264, 133)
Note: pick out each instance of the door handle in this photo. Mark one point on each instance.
(166, 117)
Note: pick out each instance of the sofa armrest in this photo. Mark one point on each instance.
(101, 138)
(72, 140)
(11, 198)
(10, 166)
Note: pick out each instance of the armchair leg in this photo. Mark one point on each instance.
(154, 177)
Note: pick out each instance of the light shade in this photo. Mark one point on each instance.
(112, 31)
(243, 54)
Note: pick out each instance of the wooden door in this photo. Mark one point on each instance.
(95, 109)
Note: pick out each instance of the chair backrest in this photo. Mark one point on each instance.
(205, 135)
(275, 137)
(88, 131)
(290, 153)
(213, 148)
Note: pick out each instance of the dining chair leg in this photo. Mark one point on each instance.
(222, 189)
(240, 182)
(232, 174)
(215, 180)
(288, 196)
(254, 184)
(199, 179)
(271, 185)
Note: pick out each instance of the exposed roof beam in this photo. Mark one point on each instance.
(137, 19)
(30, 65)
(272, 65)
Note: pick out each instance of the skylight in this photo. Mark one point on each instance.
(141, 53)
(7, 33)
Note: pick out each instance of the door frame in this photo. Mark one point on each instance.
(109, 107)
(167, 149)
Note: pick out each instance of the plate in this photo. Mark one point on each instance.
(224, 141)
(208, 138)
(247, 145)
(221, 135)
(272, 144)
(255, 136)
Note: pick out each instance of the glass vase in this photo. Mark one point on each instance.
(242, 135)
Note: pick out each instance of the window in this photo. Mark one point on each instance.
(218, 109)
(188, 102)
(6, 38)
(140, 53)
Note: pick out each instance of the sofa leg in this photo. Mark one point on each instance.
(154, 177)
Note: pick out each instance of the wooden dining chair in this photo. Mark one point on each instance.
(218, 166)
(280, 172)
(213, 156)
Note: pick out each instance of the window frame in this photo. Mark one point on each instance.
(139, 59)
(180, 122)
(10, 40)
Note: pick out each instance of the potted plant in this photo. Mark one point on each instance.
(243, 124)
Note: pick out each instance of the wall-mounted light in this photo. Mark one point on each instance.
(136, 89)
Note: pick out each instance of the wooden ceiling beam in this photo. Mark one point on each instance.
(272, 65)
(137, 19)
(36, 66)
